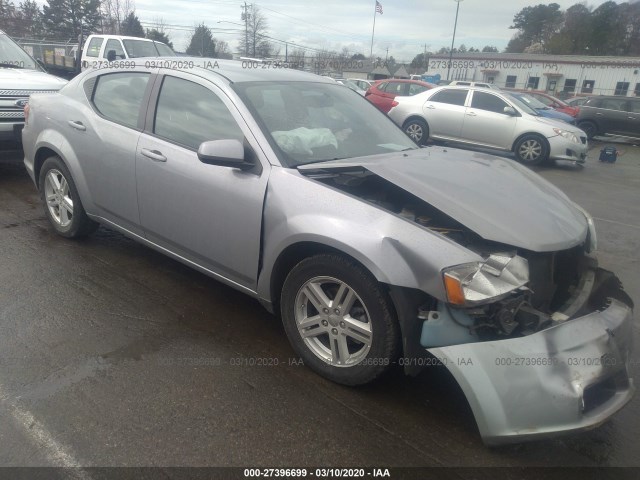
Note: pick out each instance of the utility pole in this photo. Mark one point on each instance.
(424, 57)
(245, 16)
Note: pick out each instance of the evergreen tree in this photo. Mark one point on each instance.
(131, 26)
(201, 43)
(159, 36)
(65, 19)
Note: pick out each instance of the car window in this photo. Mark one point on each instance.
(140, 48)
(115, 45)
(190, 114)
(118, 96)
(486, 101)
(414, 89)
(541, 98)
(612, 103)
(308, 122)
(396, 88)
(634, 106)
(452, 97)
(93, 50)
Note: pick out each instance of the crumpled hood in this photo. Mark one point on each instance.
(496, 198)
(23, 79)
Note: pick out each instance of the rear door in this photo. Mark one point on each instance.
(207, 214)
(105, 140)
(485, 122)
(610, 114)
(444, 112)
(632, 125)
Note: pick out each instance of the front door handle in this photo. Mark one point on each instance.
(631, 118)
(77, 125)
(598, 113)
(154, 155)
(431, 107)
(471, 114)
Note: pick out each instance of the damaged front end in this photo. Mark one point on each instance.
(535, 333)
(527, 373)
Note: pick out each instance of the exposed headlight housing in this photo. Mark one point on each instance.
(592, 239)
(568, 135)
(484, 282)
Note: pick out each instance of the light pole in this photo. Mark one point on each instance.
(245, 32)
(455, 25)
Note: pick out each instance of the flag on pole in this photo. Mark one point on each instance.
(378, 7)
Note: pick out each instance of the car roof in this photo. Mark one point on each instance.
(234, 71)
(120, 37)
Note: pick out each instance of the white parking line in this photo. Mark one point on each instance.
(617, 223)
(59, 455)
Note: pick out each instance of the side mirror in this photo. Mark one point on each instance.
(510, 111)
(225, 153)
(111, 55)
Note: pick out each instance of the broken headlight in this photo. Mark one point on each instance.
(484, 282)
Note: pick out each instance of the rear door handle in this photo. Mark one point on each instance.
(631, 118)
(471, 114)
(154, 155)
(431, 107)
(598, 113)
(77, 125)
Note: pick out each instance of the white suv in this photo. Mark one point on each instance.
(20, 76)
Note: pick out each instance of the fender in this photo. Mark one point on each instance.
(356, 228)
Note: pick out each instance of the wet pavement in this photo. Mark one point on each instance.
(114, 355)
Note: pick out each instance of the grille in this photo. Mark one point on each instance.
(19, 114)
(551, 276)
(23, 93)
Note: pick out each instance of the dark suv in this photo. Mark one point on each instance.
(612, 115)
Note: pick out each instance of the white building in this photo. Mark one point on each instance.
(560, 75)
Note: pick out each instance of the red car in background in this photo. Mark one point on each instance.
(553, 102)
(382, 93)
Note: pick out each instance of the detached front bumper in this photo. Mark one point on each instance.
(570, 377)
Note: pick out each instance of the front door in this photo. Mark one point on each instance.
(486, 123)
(207, 214)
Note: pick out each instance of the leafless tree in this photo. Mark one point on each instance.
(114, 12)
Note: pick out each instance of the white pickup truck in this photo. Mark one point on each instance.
(20, 76)
(100, 49)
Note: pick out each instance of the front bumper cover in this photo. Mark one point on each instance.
(570, 377)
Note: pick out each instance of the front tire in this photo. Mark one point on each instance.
(532, 150)
(61, 201)
(417, 130)
(590, 128)
(339, 320)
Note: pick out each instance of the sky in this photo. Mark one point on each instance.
(404, 27)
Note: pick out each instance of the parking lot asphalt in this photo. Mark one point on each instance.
(114, 355)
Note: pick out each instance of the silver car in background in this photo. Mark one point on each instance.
(376, 253)
(490, 119)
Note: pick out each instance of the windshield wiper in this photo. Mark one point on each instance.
(10, 65)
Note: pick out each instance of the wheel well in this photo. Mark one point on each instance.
(41, 155)
(546, 142)
(290, 257)
(589, 121)
(415, 117)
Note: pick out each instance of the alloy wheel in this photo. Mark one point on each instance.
(59, 202)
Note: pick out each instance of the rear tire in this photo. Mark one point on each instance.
(62, 204)
(339, 320)
(532, 150)
(417, 130)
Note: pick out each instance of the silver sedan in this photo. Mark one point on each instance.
(375, 252)
(490, 119)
